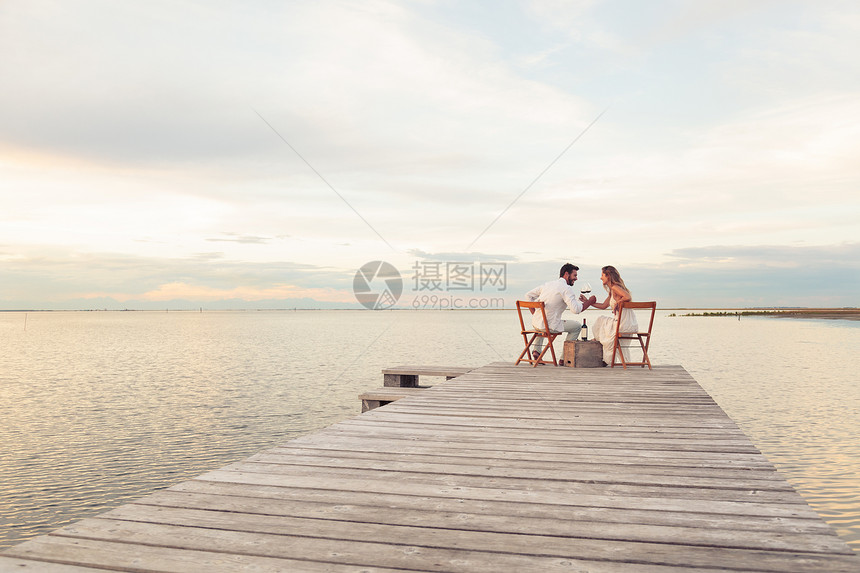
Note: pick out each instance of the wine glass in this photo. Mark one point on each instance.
(585, 289)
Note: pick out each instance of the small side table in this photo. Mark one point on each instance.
(583, 354)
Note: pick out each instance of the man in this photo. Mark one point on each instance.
(558, 296)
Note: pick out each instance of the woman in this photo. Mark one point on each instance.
(604, 327)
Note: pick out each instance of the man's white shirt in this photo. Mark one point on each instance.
(557, 296)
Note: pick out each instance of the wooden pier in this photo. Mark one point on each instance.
(502, 469)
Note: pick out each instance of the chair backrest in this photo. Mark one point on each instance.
(652, 306)
(530, 334)
(537, 306)
(643, 337)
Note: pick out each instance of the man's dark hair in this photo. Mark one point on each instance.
(566, 268)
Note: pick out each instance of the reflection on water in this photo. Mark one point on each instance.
(100, 408)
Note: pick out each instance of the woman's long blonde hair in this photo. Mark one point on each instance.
(614, 279)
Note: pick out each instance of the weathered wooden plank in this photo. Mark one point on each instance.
(493, 516)
(373, 399)
(518, 449)
(48, 552)
(389, 393)
(24, 565)
(493, 468)
(334, 503)
(428, 370)
(563, 461)
(469, 423)
(488, 539)
(518, 483)
(569, 439)
(327, 555)
(357, 544)
(408, 376)
(700, 531)
(524, 491)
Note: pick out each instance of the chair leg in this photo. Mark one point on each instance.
(617, 352)
(645, 359)
(523, 353)
(539, 359)
(526, 356)
(549, 346)
(520, 357)
(527, 352)
(552, 350)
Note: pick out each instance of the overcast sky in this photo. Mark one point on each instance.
(208, 151)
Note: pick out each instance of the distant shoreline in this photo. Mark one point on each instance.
(823, 313)
(829, 314)
(809, 313)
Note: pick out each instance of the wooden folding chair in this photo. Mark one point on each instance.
(531, 334)
(644, 338)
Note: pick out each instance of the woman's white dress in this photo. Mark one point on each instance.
(604, 331)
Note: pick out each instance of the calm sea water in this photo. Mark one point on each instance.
(98, 408)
